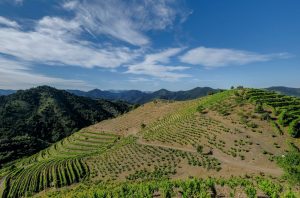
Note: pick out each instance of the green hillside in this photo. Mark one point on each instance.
(33, 119)
(232, 143)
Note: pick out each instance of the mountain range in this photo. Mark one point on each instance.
(140, 97)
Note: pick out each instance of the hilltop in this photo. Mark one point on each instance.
(33, 119)
(239, 142)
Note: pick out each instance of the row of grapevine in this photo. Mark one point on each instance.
(37, 177)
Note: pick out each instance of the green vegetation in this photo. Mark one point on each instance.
(33, 119)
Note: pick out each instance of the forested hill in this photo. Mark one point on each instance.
(31, 120)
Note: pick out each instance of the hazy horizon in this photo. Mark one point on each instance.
(173, 90)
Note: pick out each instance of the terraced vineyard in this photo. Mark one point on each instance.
(220, 136)
(286, 108)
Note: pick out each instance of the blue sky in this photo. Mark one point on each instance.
(148, 45)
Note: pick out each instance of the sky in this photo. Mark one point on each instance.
(149, 44)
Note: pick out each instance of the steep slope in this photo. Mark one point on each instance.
(31, 120)
(286, 90)
(225, 136)
(135, 96)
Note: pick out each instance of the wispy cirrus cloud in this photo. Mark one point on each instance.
(220, 57)
(157, 65)
(126, 20)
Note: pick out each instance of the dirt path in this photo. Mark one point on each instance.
(220, 156)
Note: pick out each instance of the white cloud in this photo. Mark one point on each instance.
(126, 20)
(157, 65)
(218, 57)
(8, 23)
(17, 75)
